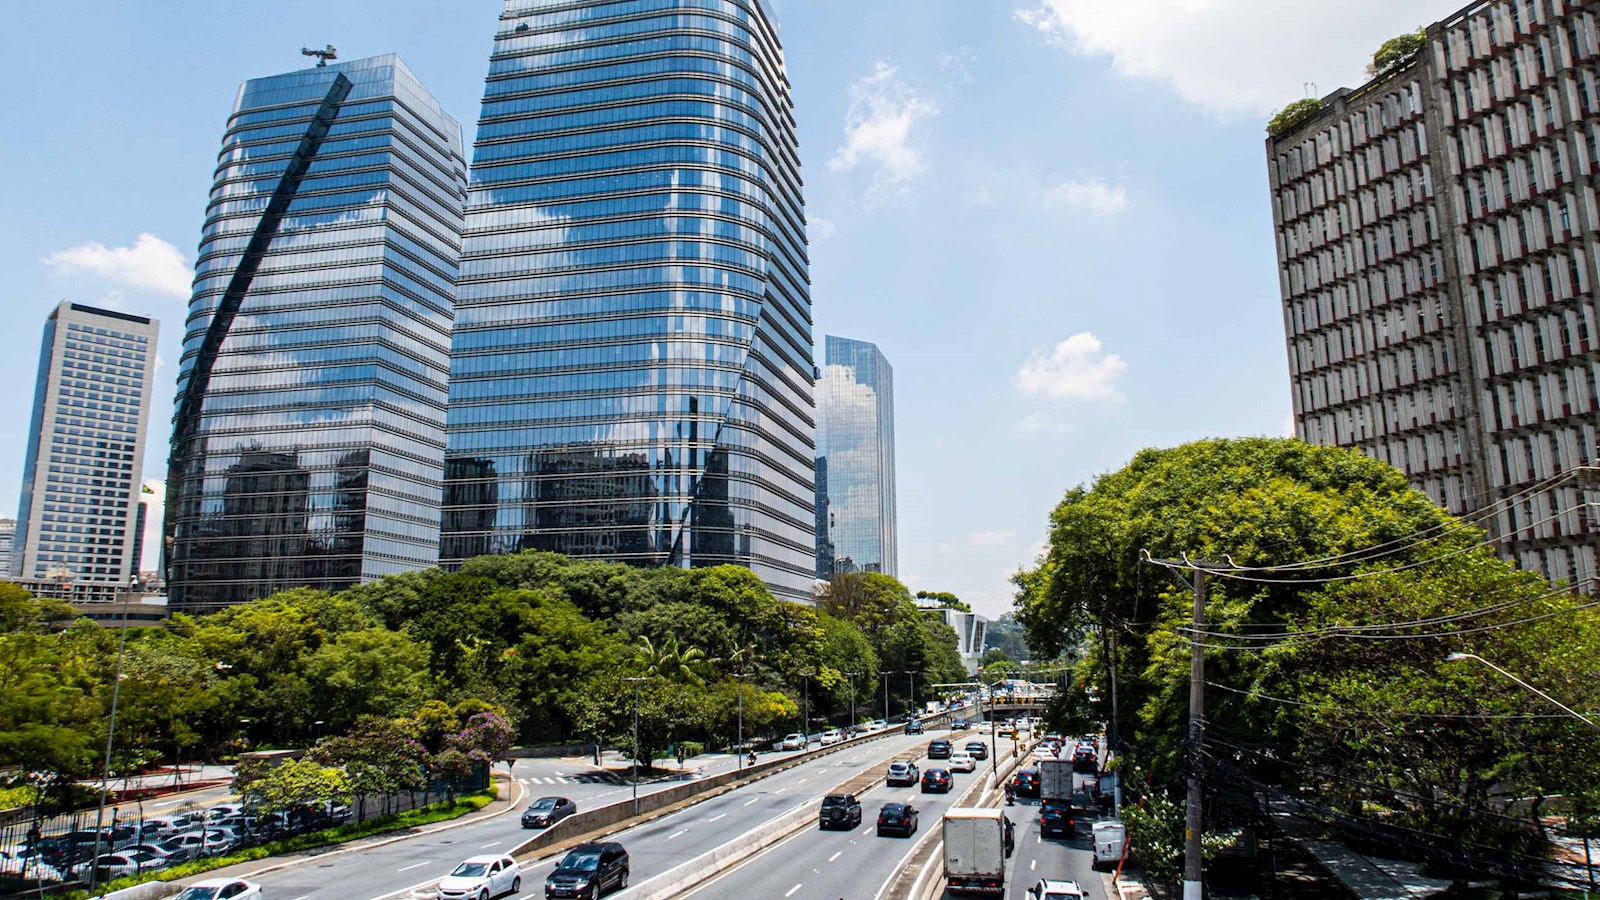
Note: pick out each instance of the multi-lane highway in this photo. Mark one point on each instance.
(1039, 857)
(815, 864)
(410, 867)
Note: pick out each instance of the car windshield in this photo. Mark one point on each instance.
(586, 861)
(199, 893)
(546, 803)
(470, 870)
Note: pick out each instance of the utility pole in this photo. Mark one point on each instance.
(738, 751)
(805, 724)
(1193, 819)
(852, 729)
(636, 742)
(911, 699)
(111, 733)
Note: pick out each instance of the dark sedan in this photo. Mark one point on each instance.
(547, 811)
(940, 749)
(897, 818)
(977, 749)
(936, 780)
(1026, 782)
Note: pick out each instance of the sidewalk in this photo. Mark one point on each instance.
(1375, 878)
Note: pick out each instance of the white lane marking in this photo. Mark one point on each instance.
(167, 803)
(414, 866)
(302, 897)
(803, 780)
(1033, 865)
(716, 817)
(790, 892)
(835, 856)
(676, 833)
(751, 800)
(490, 844)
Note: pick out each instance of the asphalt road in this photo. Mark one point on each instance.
(411, 867)
(1039, 857)
(823, 865)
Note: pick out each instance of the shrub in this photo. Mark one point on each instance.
(1292, 115)
(1396, 51)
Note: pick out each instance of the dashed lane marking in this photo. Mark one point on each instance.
(716, 817)
(414, 866)
(490, 844)
(835, 856)
(676, 833)
(790, 892)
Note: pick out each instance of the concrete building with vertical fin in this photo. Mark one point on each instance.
(1438, 238)
(77, 521)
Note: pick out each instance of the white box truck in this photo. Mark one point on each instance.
(1055, 779)
(976, 845)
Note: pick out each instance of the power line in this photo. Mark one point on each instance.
(1382, 713)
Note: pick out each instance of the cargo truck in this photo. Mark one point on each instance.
(1055, 779)
(976, 845)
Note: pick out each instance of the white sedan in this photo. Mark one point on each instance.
(796, 741)
(482, 877)
(834, 736)
(962, 762)
(220, 889)
(121, 863)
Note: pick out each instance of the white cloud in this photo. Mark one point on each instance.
(1091, 195)
(1041, 423)
(877, 130)
(959, 63)
(1233, 57)
(991, 538)
(149, 263)
(1076, 368)
(821, 229)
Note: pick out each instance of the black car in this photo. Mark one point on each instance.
(936, 780)
(959, 725)
(1026, 782)
(589, 871)
(902, 772)
(897, 818)
(547, 811)
(914, 726)
(977, 749)
(1056, 817)
(939, 749)
(839, 811)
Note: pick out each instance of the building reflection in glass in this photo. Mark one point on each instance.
(856, 529)
(308, 439)
(631, 364)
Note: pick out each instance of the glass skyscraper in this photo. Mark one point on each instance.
(308, 439)
(77, 521)
(631, 367)
(855, 461)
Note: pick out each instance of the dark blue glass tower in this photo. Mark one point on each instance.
(308, 440)
(631, 368)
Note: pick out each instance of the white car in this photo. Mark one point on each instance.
(1051, 889)
(482, 877)
(962, 762)
(1042, 753)
(796, 741)
(123, 862)
(224, 810)
(203, 843)
(17, 861)
(834, 736)
(220, 889)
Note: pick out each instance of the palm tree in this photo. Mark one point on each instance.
(671, 662)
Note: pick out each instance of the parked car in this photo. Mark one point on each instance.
(977, 749)
(589, 871)
(1052, 889)
(220, 889)
(914, 726)
(204, 842)
(897, 818)
(157, 827)
(170, 852)
(902, 772)
(963, 762)
(482, 877)
(547, 811)
(936, 780)
(27, 863)
(839, 811)
(1026, 782)
(223, 811)
(119, 864)
(794, 741)
(832, 736)
(940, 749)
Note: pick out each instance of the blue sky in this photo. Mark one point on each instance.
(1051, 215)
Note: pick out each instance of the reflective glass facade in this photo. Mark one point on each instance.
(308, 440)
(80, 482)
(855, 461)
(631, 369)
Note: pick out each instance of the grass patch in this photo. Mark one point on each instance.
(422, 815)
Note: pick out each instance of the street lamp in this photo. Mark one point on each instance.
(738, 750)
(911, 698)
(852, 680)
(111, 731)
(886, 695)
(635, 753)
(1458, 657)
(805, 722)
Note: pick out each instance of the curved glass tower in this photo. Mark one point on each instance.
(631, 368)
(308, 439)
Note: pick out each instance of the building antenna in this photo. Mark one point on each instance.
(322, 55)
(1310, 86)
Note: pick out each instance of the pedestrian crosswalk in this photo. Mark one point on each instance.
(586, 778)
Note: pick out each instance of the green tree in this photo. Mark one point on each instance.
(369, 672)
(1396, 51)
(378, 758)
(945, 599)
(290, 785)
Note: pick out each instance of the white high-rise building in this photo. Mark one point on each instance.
(80, 484)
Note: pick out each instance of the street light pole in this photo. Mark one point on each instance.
(911, 699)
(635, 753)
(852, 677)
(111, 732)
